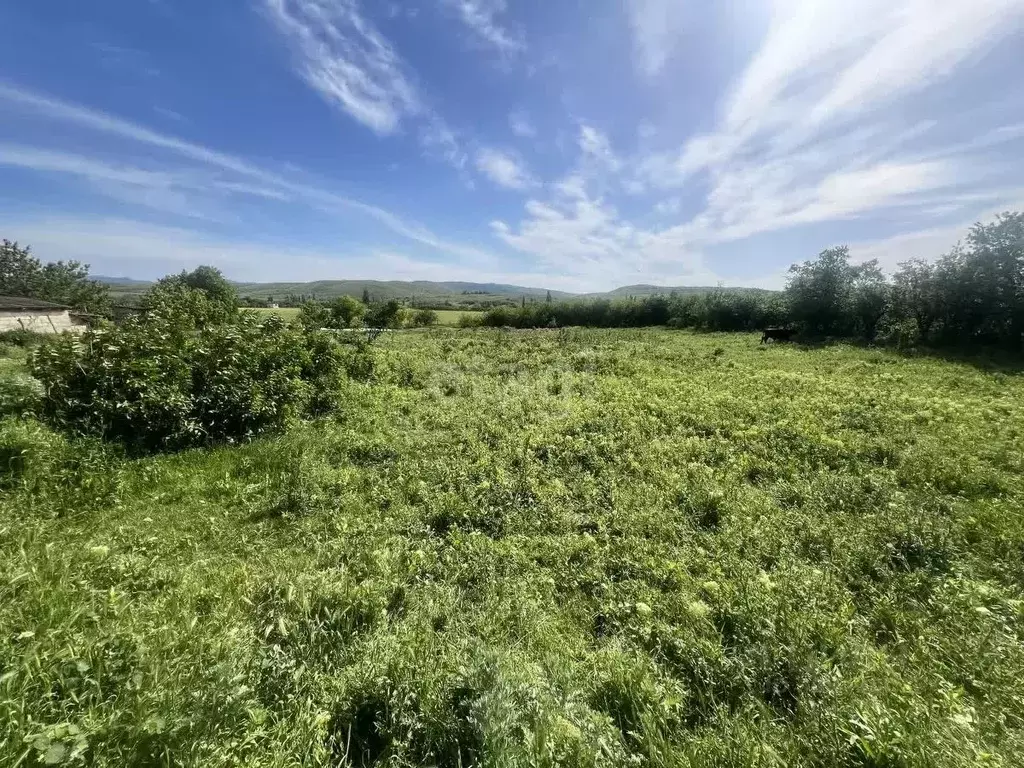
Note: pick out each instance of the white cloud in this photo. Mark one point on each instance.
(807, 134)
(344, 57)
(309, 194)
(503, 169)
(521, 125)
(656, 25)
(128, 247)
(437, 138)
(595, 147)
(480, 16)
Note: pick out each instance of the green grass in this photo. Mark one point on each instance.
(288, 313)
(577, 548)
(448, 317)
(451, 317)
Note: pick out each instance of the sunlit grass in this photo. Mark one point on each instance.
(537, 548)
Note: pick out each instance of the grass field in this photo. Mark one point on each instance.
(618, 548)
(449, 317)
(288, 313)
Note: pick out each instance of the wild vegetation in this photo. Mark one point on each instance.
(227, 539)
(972, 296)
(567, 547)
(22, 274)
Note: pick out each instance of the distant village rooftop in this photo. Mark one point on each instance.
(13, 303)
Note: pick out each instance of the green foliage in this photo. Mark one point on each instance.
(580, 548)
(19, 394)
(974, 294)
(61, 282)
(346, 311)
(829, 296)
(424, 318)
(385, 314)
(314, 315)
(161, 383)
(192, 299)
(342, 312)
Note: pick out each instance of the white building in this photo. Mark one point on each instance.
(19, 313)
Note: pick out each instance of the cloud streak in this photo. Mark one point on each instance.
(322, 199)
(503, 168)
(344, 57)
(480, 17)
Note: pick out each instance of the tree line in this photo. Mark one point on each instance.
(973, 295)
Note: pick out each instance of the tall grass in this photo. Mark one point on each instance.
(542, 548)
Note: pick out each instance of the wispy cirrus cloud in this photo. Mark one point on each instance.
(810, 133)
(344, 57)
(229, 169)
(503, 168)
(655, 25)
(521, 125)
(481, 17)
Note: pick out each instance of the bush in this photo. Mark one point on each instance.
(19, 394)
(388, 314)
(155, 383)
(424, 318)
(21, 338)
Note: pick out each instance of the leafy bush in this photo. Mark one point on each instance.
(19, 394)
(387, 314)
(342, 312)
(62, 282)
(156, 383)
(21, 337)
(424, 318)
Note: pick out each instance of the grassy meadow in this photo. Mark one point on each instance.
(537, 548)
(449, 317)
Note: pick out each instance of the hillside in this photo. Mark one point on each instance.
(656, 290)
(454, 293)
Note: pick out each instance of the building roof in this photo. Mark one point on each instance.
(14, 303)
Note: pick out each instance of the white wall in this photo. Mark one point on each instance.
(39, 322)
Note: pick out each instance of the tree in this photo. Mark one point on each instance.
(314, 315)
(366, 296)
(996, 253)
(870, 298)
(916, 295)
(548, 297)
(820, 292)
(386, 314)
(424, 318)
(62, 282)
(345, 311)
(210, 282)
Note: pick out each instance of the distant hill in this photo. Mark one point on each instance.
(119, 280)
(664, 290)
(394, 289)
(456, 294)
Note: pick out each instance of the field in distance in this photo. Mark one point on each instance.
(556, 548)
(444, 316)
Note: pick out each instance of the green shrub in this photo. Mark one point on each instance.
(21, 337)
(155, 383)
(19, 394)
(424, 318)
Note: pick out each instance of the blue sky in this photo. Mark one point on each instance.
(572, 144)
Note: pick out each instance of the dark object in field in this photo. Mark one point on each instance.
(777, 334)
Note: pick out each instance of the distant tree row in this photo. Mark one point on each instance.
(347, 312)
(973, 295)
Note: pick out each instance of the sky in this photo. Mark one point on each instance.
(578, 145)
